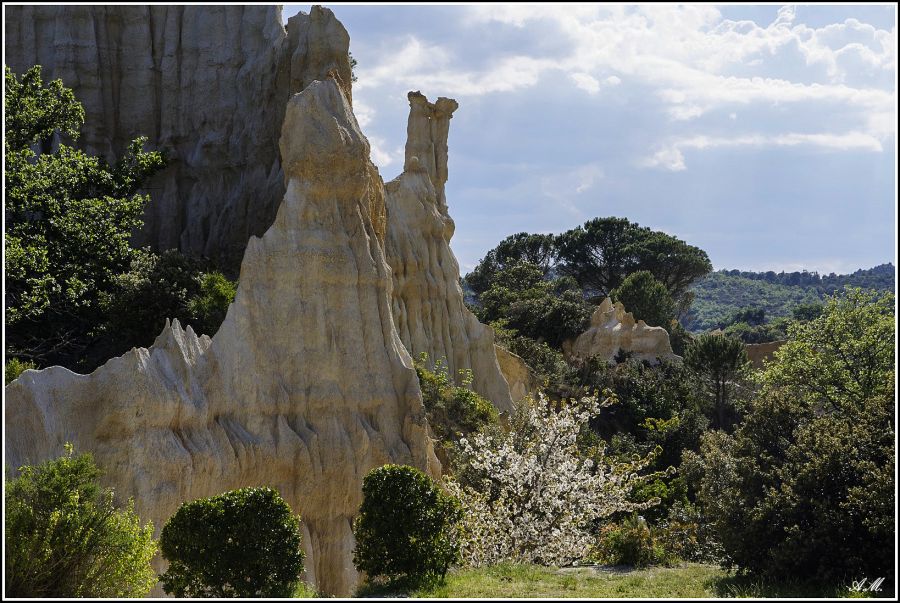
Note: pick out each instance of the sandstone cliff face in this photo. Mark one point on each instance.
(305, 387)
(522, 381)
(209, 83)
(613, 329)
(428, 306)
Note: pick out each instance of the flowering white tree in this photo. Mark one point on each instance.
(530, 496)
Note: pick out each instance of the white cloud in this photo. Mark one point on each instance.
(363, 112)
(586, 82)
(696, 60)
(381, 156)
(671, 155)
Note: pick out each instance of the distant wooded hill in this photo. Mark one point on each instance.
(721, 294)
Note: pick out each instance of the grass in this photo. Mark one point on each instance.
(690, 580)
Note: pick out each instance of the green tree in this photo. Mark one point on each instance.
(720, 361)
(543, 310)
(66, 538)
(646, 298)
(810, 472)
(406, 527)
(604, 251)
(69, 217)
(156, 287)
(536, 249)
(243, 543)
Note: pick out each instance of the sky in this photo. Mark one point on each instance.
(765, 135)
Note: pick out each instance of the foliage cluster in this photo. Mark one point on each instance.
(810, 471)
(77, 292)
(453, 410)
(243, 543)
(65, 537)
(407, 527)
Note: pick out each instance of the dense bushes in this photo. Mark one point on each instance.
(810, 472)
(406, 530)
(646, 298)
(15, 367)
(243, 543)
(66, 538)
(543, 310)
(156, 287)
(452, 410)
(627, 543)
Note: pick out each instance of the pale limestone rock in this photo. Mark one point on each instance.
(209, 83)
(613, 329)
(428, 306)
(305, 387)
(521, 379)
(759, 353)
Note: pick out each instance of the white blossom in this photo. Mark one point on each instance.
(530, 496)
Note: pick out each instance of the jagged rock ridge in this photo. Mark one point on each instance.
(613, 330)
(209, 83)
(428, 304)
(305, 387)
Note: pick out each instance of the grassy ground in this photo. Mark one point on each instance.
(527, 581)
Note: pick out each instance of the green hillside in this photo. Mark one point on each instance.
(722, 293)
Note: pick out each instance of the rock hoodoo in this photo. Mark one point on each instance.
(209, 83)
(305, 387)
(428, 306)
(613, 329)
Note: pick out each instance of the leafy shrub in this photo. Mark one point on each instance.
(628, 542)
(688, 535)
(452, 410)
(69, 220)
(209, 305)
(243, 543)
(543, 310)
(15, 367)
(65, 537)
(406, 527)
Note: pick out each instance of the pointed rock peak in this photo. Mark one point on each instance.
(320, 135)
(321, 49)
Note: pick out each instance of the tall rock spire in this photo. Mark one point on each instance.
(429, 309)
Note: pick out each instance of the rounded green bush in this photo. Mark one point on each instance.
(243, 543)
(406, 527)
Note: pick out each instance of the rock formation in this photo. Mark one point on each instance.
(521, 379)
(305, 387)
(758, 353)
(613, 329)
(428, 306)
(208, 83)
